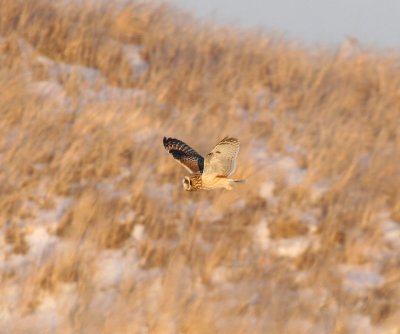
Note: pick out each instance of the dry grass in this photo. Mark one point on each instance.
(83, 171)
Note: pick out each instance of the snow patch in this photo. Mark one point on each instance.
(109, 93)
(138, 232)
(291, 247)
(275, 165)
(391, 232)
(267, 190)
(287, 247)
(113, 265)
(110, 269)
(50, 90)
(67, 297)
(40, 242)
(294, 174)
(51, 217)
(147, 135)
(360, 324)
(138, 65)
(220, 275)
(210, 214)
(309, 218)
(357, 279)
(262, 235)
(317, 190)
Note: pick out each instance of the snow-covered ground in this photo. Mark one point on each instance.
(113, 268)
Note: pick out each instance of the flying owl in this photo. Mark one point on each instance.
(211, 172)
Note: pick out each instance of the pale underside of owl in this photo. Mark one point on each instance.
(210, 173)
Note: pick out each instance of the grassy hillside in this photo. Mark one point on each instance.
(97, 234)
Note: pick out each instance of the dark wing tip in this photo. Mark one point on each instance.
(177, 154)
(165, 142)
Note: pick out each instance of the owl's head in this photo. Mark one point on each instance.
(187, 183)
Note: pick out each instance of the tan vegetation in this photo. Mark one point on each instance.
(97, 234)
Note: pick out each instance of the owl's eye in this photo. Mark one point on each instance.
(186, 183)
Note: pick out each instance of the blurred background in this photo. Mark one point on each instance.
(97, 234)
(313, 22)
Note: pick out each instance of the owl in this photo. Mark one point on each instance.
(210, 173)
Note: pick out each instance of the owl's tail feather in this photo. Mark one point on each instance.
(230, 183)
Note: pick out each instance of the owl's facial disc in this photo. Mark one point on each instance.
(187, 184)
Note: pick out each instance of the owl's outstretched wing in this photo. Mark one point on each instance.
(184, 154)
(221, 161)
